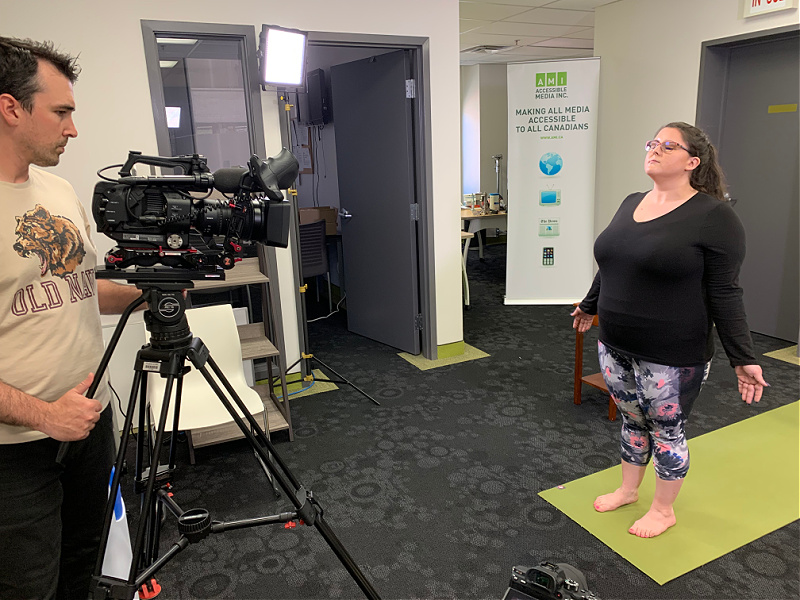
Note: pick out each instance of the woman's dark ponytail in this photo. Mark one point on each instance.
(707, 177)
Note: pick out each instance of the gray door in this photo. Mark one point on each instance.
(759, 154)
(375, 163)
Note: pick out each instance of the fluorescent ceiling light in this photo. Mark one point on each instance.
(176, 41)
(283, 56)
(167, 64)
(173, 117)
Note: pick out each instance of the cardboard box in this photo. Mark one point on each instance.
(329, 214)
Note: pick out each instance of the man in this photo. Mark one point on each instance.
(51, 514)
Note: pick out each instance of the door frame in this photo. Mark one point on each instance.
(715, 58)
(423, 166)
(714, 63)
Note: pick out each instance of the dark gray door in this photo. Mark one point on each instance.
(375, 162)
(759, 154)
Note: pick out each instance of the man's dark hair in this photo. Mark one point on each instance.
(19, 65)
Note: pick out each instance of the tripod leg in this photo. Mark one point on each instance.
(255, 430)
(115, 483)
(307, 509)
(148, 511)
(345, 380)
(173, 438)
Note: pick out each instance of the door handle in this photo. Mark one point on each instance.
(344, 214)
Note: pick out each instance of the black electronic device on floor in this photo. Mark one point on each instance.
(548, 581)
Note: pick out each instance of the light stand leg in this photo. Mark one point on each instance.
(344, 380)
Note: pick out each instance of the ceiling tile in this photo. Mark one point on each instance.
(522, 3)
(465, 25)
(488, 12)
(543, 53)
(468, 40)
(556, 17)
(529, 29)
(566, 43)
(583, 34)
(579, 4)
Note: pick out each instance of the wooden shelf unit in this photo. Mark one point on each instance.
(255, 342)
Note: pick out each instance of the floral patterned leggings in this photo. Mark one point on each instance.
(654, 401)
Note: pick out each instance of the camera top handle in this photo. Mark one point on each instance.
(189, 164)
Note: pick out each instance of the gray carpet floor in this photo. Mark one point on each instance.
(434, 493)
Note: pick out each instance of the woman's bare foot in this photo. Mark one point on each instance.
(615, 499)
(654, 523)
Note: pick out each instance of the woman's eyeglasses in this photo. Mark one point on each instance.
(667, 145)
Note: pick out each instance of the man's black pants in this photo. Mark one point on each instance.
(51, 515)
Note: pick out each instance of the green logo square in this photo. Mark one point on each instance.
(541, 80)
(551, 79)
(562, 78)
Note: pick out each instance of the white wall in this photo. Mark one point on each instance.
(649, 75)
(113, 96)
(484, 127)
(494, 126)
(470, 129)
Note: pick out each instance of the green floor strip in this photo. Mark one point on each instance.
(744, 482)
(786, 355)
(295, 386)
(423, 364)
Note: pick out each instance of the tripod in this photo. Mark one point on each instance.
(171, 344)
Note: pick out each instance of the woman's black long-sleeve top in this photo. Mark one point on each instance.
(662, 284)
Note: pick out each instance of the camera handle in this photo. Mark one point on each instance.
(171, 343)
(189, 164)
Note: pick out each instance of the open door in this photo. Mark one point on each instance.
(375, 160)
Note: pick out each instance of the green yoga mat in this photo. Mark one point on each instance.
(744, 482)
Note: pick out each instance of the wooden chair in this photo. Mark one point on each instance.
(595, 380)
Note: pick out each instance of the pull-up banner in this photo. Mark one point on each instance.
(552, 139)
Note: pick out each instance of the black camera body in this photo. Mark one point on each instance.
(549, 581)
(156, 220)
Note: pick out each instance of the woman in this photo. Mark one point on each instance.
(669, 266)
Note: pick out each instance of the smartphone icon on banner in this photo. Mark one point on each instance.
(548, 256)
(549, 197)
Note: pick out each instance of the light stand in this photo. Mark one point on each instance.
(307, 359)
(497, 158)
(171, 344)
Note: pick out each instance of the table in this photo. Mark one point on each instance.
(474, 223)
(465, 235)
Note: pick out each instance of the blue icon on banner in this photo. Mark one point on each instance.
(550, 197)
(550, 163)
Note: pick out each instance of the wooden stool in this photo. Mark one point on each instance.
(595, 380)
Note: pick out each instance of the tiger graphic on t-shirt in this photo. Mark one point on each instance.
(55, 240)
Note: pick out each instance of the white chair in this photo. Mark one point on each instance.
(202, 415)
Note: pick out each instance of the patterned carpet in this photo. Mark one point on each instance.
(434, 493)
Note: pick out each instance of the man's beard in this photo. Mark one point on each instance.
(42, 158)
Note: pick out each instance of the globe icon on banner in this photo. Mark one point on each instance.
(550, 163)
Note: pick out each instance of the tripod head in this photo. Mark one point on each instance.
(163, 290)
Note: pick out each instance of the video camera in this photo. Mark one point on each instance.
(548, 581)
(156, 220)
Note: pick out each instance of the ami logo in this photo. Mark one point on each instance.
(558, 79)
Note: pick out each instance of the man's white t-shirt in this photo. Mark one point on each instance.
(50, 332)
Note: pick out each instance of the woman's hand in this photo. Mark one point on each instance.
(582, 322)
(751, 382)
